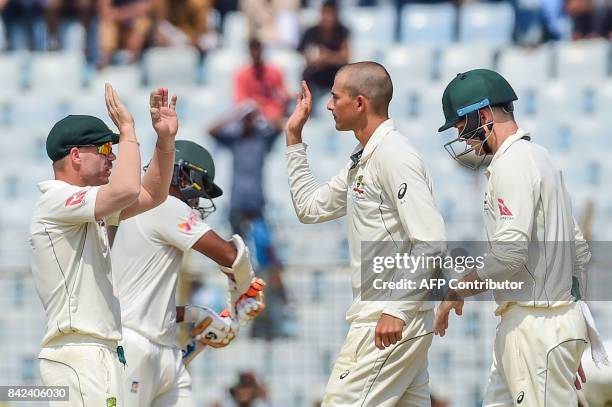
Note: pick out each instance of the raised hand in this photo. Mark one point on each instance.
(303, 107)
(117, 111)
(163, 113)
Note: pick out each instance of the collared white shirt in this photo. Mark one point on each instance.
(71, 263)
(386, 195)
(147, 256)
(529, 222)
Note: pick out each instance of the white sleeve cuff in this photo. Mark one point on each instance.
(296, 147)
(394, 312)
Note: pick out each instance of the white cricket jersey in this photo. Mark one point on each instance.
(71, 263)
(529, 223)
(387, 197)
(147, 255)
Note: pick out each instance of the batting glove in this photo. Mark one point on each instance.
(249, 305)
(210, 328)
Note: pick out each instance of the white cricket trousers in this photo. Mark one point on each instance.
(155, 375)
(88, 366)
(365, 376)
(536, 357)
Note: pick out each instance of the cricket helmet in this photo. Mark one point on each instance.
(463, 98)
(194, 174)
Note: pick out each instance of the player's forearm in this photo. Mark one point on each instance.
(156, 180)
(293, 137)
(313, 203)
(125, 180)
(505, 258)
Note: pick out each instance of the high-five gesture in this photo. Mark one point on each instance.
(299, 117)
(163, 113)
(117, 111)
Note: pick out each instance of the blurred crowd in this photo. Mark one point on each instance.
(251, 391)
(117, 31)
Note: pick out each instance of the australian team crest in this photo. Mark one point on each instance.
(359, 187)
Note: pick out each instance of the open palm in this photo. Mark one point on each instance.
(117, 111)
(303, 107)
(163, 113)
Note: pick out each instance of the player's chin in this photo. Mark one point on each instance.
(340, 126)
(104, 178)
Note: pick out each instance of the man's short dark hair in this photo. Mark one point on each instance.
(371, 80)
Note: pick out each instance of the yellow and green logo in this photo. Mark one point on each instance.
(111, 402)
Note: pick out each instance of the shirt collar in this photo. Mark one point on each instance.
(361, 153)
(45, 186)
(520, 134)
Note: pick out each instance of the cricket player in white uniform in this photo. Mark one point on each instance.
(71, 263)
(534, 240)
(147, 255)
(386, 193)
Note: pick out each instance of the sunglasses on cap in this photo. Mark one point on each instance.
(104, 149)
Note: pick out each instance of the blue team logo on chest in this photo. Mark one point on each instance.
(359, 188)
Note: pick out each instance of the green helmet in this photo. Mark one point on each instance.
(194, 164)
(473, 90)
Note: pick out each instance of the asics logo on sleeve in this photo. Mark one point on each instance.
(402, 190)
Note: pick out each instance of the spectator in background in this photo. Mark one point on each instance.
(21, 18)
(123, 24)
(249, 136)
(553, 17)
(246, 133)
(605, 24)
(273, 22)
(590, 19)
(184, 23)
(248, 392)
(325, 47)
(582, 15)
(223, 7)
(58, 12)
(263, 84)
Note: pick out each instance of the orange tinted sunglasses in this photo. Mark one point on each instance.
(104, 149)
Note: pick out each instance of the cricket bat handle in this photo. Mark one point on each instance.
(193, 349)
